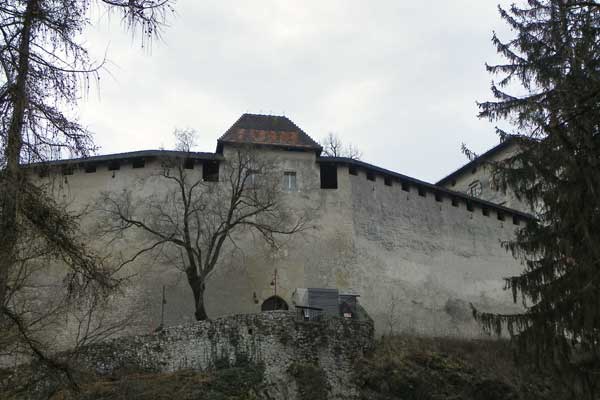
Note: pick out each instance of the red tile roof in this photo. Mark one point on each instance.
(268, 130)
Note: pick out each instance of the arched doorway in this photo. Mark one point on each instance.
(274, 303)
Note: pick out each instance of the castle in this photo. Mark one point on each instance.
(416, 253)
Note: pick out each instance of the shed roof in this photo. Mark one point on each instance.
(272, 130)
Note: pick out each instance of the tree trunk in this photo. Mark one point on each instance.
(199, 302)
(10, 185)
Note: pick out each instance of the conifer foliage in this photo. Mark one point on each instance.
(555, 58)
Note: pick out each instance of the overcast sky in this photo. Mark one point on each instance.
(398, 79)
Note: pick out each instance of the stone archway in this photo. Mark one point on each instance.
(274, 303)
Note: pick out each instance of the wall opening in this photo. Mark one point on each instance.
(485, 211)
(405, 186)
(470, 206)
(138, 163)
(90, 168)
(438, 197)
(210, 171)
(421, 192)
(516, 220)
(289, 181)
(500, 216)
(274, 303)
(371, 175)
(454, 202)
(387, 181)
(352, 170)
(329, 177)
(114, 166)
(188, 163)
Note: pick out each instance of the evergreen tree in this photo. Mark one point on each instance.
(555, 57)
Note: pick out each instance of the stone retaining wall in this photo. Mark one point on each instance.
(274, 339)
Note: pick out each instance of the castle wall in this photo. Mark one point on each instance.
(416, 261)
(481, 173)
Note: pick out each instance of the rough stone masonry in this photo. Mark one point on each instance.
(275, 339)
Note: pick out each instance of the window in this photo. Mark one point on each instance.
(252, 178)
(370, 175)
(188, 163)
(421, 192)
(138, 163)
(67, 170)
(90, 168)
(289, 181)
(454, 202)
(328, 176)
(210, 171)
(500, 216)
(470, 206)
(352, 170)
(474, 189)
(405, 186)
(114, 166)
(516, 220)
(387, 181)
(438, 197)
(485, 211)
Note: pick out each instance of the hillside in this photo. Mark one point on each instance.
(402, 368)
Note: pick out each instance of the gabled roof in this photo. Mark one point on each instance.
(480, 159)
(271, 130)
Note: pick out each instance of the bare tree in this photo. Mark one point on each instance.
(43, 66)
(333, 146)
(195, 218)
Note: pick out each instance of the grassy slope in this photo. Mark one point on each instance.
(411, 368)
(403, 368)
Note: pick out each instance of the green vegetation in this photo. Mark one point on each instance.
(311, 381)
(411, 368)
(240, 382)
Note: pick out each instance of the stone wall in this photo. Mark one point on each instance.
(274, 339)
(416, 259)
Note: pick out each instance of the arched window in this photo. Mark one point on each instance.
(274, 303)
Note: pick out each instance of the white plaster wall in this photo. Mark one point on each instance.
(415, 262)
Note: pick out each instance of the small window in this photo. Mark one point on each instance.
(516, 220)
(475, 189)
(352, 170)
(188, 163)
(328, 176)
(67, 170)
(470, 206)
(453, 182)
(421, 192)
(454, 202)
(289, 181)
(405, 186)
(474, 170)
(138, 163)
(370, 175)
(210, 171)
(438, 197)
(387, 181)
(252, 178)
(485, 211)
(500, 215)
(90, 168)
(114, 166)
